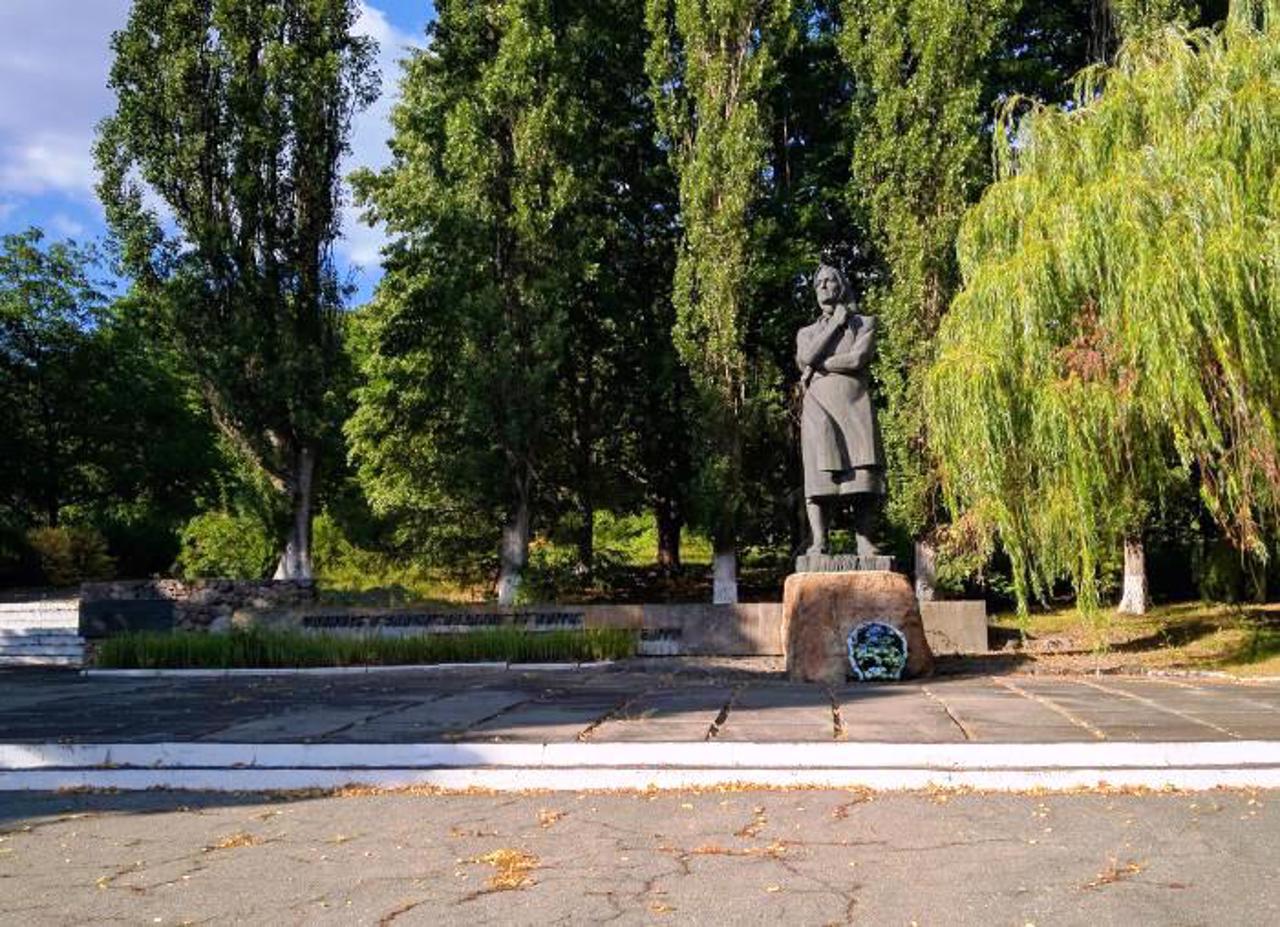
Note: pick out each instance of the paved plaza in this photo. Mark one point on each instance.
(614, 705)
(587, 853)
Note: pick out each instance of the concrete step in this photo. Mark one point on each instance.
(58, 660)
(28, 634)
(39, 607)
(52, 621)
(41, 646)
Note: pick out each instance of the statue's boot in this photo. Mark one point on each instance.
(817, 527)
(866, 518)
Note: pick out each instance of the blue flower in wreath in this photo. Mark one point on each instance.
(877, 651)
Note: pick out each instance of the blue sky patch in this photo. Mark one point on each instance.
(54, 60)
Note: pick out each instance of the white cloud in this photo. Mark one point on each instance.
(54, 61)
(55, 58)
(47, 161)
(66, 226)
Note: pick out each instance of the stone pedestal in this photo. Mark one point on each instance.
(820, 609)
(842, 563)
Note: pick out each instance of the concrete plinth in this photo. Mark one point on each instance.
(955, 626)
(820, 609)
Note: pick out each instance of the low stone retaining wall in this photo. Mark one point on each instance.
(693, 629)
(175, 605)
(665, 630)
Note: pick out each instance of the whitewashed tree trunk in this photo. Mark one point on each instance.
(514, 552)
(926, 570)
(295, 562)
(724, 577)
(1133, 596)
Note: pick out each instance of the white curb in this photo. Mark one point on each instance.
(575, 766)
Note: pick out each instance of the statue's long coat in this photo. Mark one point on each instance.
(839, 440)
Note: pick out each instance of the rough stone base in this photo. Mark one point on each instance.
(820, 609)
(841, 563)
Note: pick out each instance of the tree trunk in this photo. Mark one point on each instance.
(666, 514)
(724, 576)
(1133, 597)
(586, 539)
(926, 571)
(514, 552)
(295, 562)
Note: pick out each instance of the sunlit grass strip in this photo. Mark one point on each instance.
(261, 649)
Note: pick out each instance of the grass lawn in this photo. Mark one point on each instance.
(1243, 640)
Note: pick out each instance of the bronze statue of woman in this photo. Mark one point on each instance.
(839, 441)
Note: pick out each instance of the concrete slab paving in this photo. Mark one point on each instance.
(900, 713)
(552, 721)
(533, 706)
(987, 712)
(678, 704)
(1230, 708)
(771, 714)
(287, 726)
(650, 732)
(1118, 717)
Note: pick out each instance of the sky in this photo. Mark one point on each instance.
(54, 60)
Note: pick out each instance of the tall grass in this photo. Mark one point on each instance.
(262, 649)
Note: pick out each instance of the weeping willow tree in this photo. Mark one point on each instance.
(1119, 323)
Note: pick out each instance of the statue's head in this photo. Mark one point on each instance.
(831, 287)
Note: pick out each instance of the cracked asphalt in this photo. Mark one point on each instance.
(715, 857)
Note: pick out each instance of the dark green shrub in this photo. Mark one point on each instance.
(219, 544)
(71, 554)
(1222, 574)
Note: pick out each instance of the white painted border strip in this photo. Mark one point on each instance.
(576, 779)
(339, 670)
(725, 756)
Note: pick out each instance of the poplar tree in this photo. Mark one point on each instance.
(1119, 308)
(711, 65)
(919, 160)
(220, 180)
(526, 213)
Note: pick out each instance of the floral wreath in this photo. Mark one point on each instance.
(877, 651)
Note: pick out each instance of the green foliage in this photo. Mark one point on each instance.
(1119, 309)
(219, 545)
(1221, 574)
(462, 344)
(49, 308)
(263, 649)
(516, 322)
(711, 66)
(100, 420)
(236, 114)
(1138, 18)
(70, 555)
(919, 68)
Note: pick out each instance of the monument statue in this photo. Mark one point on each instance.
(839, 442)
(849, 614)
